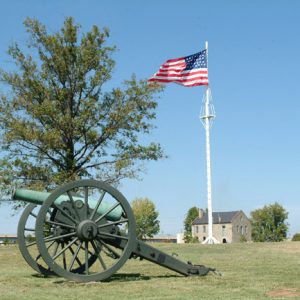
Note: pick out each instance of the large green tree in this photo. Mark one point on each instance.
(191, 215)
(146, 216)
(59, 123)
(269, 223)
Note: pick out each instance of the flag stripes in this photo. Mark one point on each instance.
(187, 71)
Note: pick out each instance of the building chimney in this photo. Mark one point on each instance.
(201, 212)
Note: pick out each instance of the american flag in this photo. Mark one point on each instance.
(188, 71)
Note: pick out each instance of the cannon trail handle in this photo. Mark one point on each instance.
(156, 256)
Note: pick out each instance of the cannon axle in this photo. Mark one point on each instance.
(87, 230)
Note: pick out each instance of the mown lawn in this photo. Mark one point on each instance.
(250, 271)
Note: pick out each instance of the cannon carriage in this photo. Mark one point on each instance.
(85, 231)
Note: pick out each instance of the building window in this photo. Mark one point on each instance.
(204, 229)
(242, 230)
(197, 229)
(237, 228)
(223, 229)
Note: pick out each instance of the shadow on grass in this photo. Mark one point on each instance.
(135, 276)
(119, 278)
(42, 276)
(127, 277)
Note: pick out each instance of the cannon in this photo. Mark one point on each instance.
(85, 231)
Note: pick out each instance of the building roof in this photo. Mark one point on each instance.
(218, 217)
(3, 236)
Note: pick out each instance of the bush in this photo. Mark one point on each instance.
(195, 240)
(243, 239)
(296, 237)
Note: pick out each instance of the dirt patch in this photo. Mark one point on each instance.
(283, 293)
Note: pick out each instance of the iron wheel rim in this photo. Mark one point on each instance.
(95, 242)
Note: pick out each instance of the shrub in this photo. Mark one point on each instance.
(296, 237)
(243, 239)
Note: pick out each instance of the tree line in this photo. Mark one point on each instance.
(268, 223)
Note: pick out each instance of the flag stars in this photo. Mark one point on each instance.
(196, 61)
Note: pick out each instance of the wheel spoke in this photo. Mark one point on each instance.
(82, 247)
(29, 229)
(74, 257)
(38, 257)
(34, 243)
(73, 205)
(97, 205)
(66, 215)
(60, 224)
(117, 255)
(64, 256)
(97, 252)
(31, 244)
(86, 196)
(32, 214)
(64, 249)
(55, 249)
(112, 235)
(104, 215)
(55, 238)
(48, 247)
(86, 250)
(113, 223)
(77, 259)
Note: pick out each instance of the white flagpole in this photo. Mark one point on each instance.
(207, 116)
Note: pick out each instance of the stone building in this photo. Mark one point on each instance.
(8, 238)
(228, 227)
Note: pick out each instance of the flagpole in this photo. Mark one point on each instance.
(207, 116)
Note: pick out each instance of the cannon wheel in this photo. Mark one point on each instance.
(33, 257)
(85, 232)
(34, 260)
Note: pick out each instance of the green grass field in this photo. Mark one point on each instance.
(250, 271)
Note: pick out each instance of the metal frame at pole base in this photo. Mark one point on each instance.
(207, 116)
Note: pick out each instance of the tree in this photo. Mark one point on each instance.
(58, 123)
(268, 223)
(6, 241)
(296, 237)
(191, 215)
(146, 216)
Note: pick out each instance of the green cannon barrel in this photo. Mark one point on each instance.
(40, 197)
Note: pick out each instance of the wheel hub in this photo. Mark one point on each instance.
(87, 230)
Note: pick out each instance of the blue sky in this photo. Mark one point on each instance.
(254, 71)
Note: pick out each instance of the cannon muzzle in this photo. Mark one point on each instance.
(39, 198)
